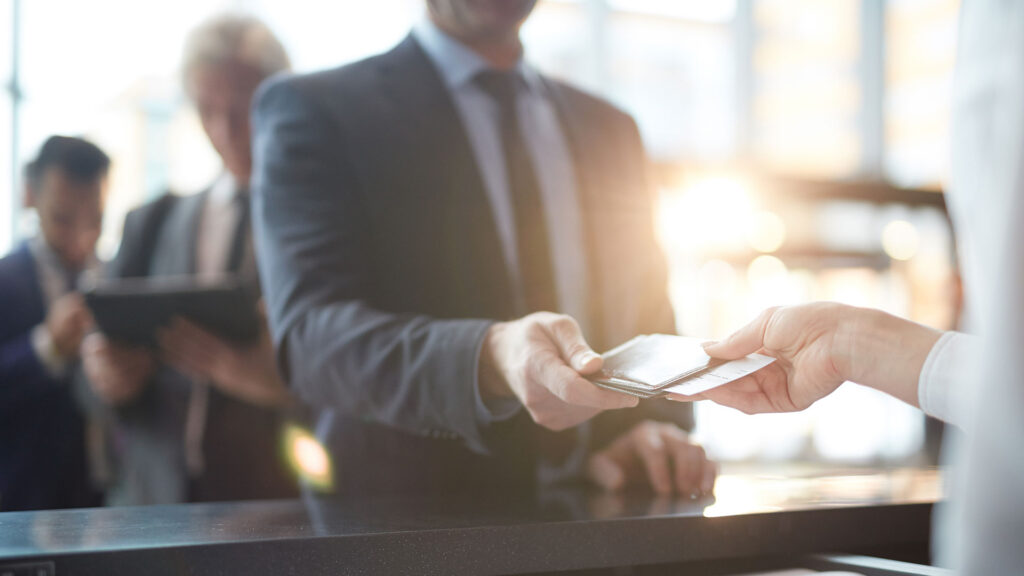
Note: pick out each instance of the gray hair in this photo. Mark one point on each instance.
(233, 38)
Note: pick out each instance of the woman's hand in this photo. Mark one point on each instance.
(818, 347)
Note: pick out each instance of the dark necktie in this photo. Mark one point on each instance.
(240, 241)
(532, 245)
(71, 278)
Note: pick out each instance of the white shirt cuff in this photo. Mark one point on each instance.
(942, 387)
(46, 352)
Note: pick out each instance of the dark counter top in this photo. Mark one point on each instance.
(752, 515)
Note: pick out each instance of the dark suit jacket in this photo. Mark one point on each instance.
(42, 436)
(241, 444)
(382, 269)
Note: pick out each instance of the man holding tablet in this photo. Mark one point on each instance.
(42, 321)
(199, 418)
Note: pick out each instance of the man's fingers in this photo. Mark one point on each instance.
(689, 479)
(82, 318)
(568, 338)
(571, 388)
(197, 335)
(604, 471)
(183, 340)
(185, 364)
(183, 354)
(746, 340)
(95, 343)
(687, 458)
(708, 475)
(653, 454)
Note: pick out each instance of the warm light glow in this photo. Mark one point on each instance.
(767, 232)
(900, 240)
(718, 279)
(308, 458)
(709, 215)
(766, 268)
(735, 495)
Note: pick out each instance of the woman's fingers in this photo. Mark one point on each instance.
(746, 340)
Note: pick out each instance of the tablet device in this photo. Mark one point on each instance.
(132, 310)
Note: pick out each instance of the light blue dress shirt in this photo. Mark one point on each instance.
(552, 161)
(547, 147)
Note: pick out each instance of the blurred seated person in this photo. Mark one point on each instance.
(42, 321)
(200, 419)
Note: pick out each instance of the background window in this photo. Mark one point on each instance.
(7, 201)
(919, 74)
(806, 93)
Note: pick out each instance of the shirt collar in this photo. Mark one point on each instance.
(50, 263)
(43, 254)
(456, 63)
(223, 190)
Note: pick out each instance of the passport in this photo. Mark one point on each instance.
(653, 365)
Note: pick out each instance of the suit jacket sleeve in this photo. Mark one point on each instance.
(410, 372)
(21, 372)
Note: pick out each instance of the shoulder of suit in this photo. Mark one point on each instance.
(584, 101)
(354, 78)
(15, 269)
(16, 260)
(160, 204)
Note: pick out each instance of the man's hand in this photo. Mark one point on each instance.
(819, 346)
(654, 453)
(116, 373)
(67, 322)
(245, 372)
(541, 360)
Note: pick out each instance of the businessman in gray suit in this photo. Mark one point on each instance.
(443, 233)
(200, 419)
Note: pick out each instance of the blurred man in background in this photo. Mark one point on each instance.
(42, 322)
(200, 419)
(410, 204)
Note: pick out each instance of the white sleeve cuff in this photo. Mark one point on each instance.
(942, 387)
(46, 352)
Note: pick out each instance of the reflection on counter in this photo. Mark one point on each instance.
(752, 492)
(741, 491)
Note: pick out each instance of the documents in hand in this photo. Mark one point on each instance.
(650, 366)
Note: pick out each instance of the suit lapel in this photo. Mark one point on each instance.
(37, 301)
(440, 149)
(179, 237)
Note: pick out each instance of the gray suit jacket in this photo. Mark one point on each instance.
(382, 269)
